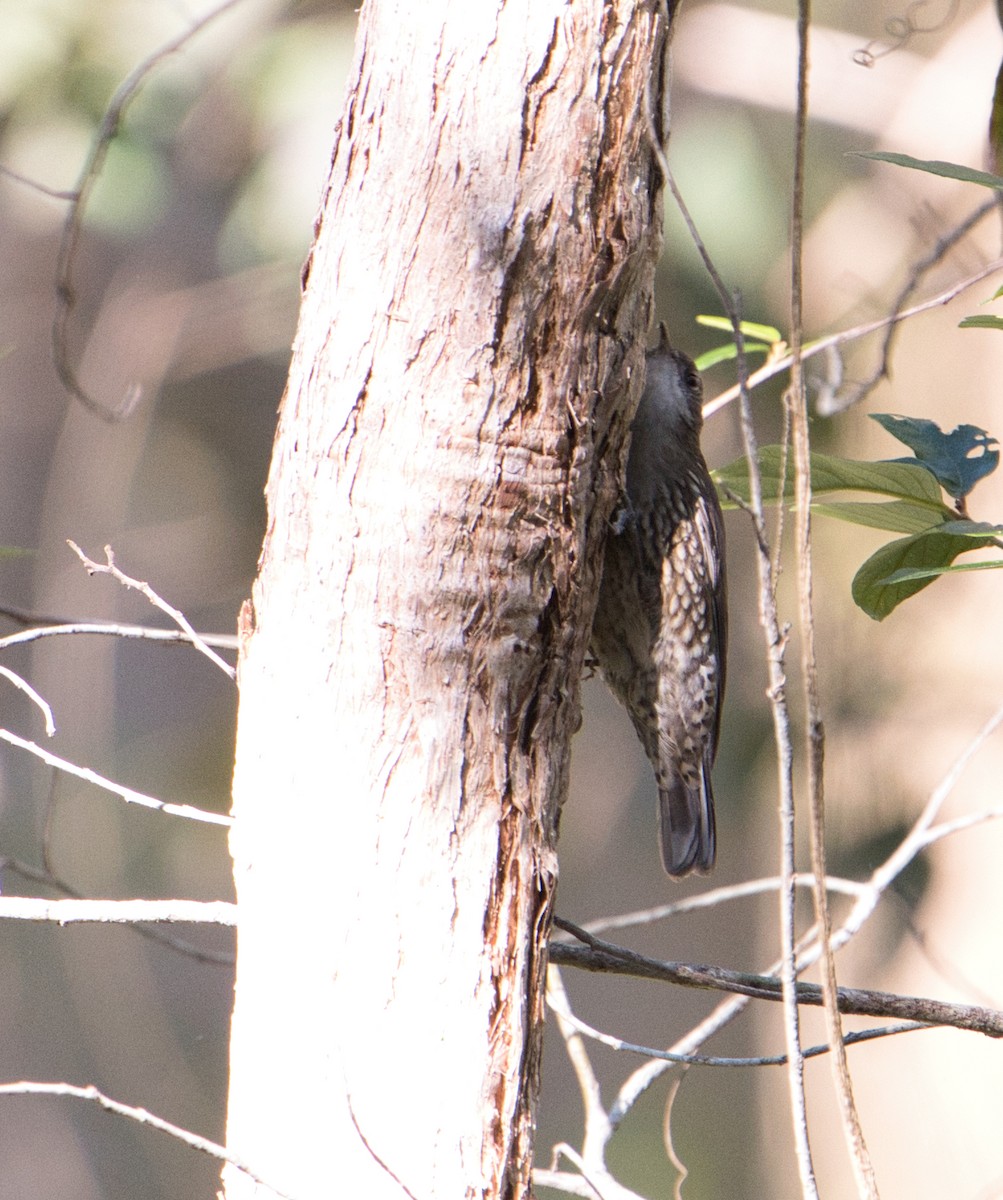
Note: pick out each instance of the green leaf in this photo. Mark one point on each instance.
(996, 113)
(981, 322)
(995, 564)
(897, 516)
(904, 567)
(971, 529)
(934, 167)
(900, 481)
(765, 333)
(711, 358)
(958, 459)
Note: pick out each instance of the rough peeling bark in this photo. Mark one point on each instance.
(466, 365)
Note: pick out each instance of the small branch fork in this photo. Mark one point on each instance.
(591, 1176)
(109, 568)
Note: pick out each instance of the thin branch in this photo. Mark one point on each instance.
(222, 641)
(109, 568)
(712, 1060)
(588, 1084)
(40, 703)
(41, 188)
(859, 391)
(715, 897)
(27, 1087)
(814, 729)
(108, 129)
(776, 644)
(117, 912)
(922, 834)
(776, 366)
(586, 1183)
(598, 1131)
(129, 795)
(605, 957)
(151, 932)
(564, 1181)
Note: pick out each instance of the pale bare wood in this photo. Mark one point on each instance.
(467, 362)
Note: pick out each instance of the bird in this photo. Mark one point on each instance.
(660, 632)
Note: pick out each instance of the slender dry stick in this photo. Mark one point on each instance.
(129, 795)
(776, 645)
(597, 955)
(70, 244)
(117, 912)
(814, 729)
(222, 641)
(671, 1058)
(597, 1127)
(39, 701)
(777, 365)
(31, 1087)
(139, 585)
(923, 834)
(943, 246)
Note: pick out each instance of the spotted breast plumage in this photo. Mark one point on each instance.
(660, 630)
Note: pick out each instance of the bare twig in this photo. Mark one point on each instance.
(117, 912)
(922, 834)
(41, 188)
(814, 729)
(39, 702)
(130, 795)
(222, 641)
(714, 1060)
(107, 131)
(776, 366)
(776, 644)
(859, 391)
(150, 931)
(109, 568)
(598, 1131)
(714, 897)
(28, 1087)
(601, 956)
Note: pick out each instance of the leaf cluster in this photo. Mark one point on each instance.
(913, 504)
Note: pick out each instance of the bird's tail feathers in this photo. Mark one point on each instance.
(686, 826)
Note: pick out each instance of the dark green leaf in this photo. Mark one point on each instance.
(996, 114)
(981, 322)
(995, 564)
(901, 481)
(971, 529)
(934, 167)
(897, 516)
(958, 459)
(878, 588)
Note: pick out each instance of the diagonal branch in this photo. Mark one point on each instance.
(600, 956)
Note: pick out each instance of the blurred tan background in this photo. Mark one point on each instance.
(188, 286)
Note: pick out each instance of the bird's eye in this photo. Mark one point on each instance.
(692, 376)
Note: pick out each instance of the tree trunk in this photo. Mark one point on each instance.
(448, 454)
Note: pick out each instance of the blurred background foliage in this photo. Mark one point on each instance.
(188, 285)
